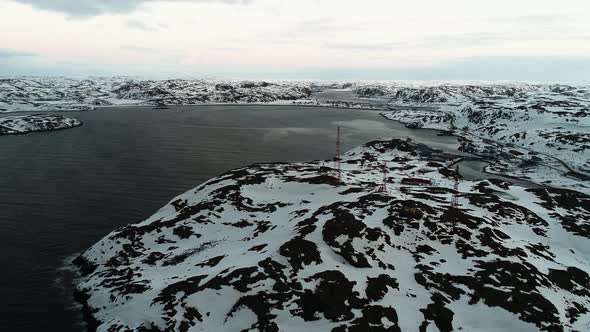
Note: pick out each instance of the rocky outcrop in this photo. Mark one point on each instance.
(279, 247)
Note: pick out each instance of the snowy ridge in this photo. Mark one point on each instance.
(292, 247)
(22, 124)
(55, 94)
(551, 119)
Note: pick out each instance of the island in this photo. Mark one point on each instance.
(23, 124)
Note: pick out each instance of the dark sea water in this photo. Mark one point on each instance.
(60, 192)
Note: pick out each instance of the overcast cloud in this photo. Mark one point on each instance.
(287, 38)
(88, 8)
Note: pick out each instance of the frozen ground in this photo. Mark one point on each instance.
(293, 247)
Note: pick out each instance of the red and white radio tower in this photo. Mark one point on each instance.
(337, 159)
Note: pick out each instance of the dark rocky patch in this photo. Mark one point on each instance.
(378, 287)
(300, 252)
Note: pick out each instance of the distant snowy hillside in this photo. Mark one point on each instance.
(54, 94)
(551, 119)
(292, 247)
(22, 124)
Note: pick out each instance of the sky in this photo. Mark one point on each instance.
(529, 40)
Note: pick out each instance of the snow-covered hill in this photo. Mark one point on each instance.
(54, 94)
(292, 247)
(550, 119)
(22, 124)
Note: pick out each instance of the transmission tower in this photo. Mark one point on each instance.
(337, 165)
(383, 186)
(455, 198)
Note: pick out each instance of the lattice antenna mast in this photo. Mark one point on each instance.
(455, 199)
(337, 159)
(383, 187)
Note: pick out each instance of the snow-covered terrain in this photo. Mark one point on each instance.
(293, 247)
(550, 119)
(22, 124)
(54, 94)
(524, 164)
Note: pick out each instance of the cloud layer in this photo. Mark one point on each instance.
(311, 38)
(8, 53)
(88, 8)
